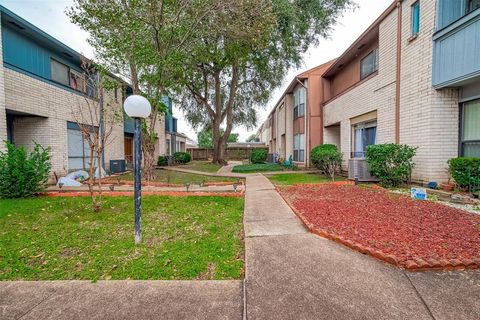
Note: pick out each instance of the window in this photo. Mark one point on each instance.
(369, 64)
(299, 97)
(115, 94)
(415, 18)
(470, 129)
(472, 5)
(168, 147)
(63, 74)
(77, 81)
(299, 147)
(60, 72)
(364, 134)
(78, 148)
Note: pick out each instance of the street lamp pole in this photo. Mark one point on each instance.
(138, 108)
(138, 180)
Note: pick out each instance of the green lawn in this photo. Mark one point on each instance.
(176, 177)
(61, 238)
(296, 178)
(259, 167)
(204, 166)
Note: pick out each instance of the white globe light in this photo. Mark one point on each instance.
(136, 106)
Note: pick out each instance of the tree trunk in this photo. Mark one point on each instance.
(149, 163)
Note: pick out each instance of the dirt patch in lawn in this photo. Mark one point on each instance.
(411, 234)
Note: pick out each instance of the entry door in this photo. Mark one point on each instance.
(128, 150)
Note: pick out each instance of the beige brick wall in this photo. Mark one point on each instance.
(375, 94)
(3, 118)
(53, 107)
(428, 118)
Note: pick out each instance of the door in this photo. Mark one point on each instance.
(128, 150)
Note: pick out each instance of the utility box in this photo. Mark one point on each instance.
(117, 166)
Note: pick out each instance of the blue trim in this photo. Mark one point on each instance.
(72, 125)
(42, 34)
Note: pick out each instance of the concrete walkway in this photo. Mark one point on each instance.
(293, 274)
(290, 274)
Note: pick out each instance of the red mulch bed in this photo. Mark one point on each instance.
(416, 234)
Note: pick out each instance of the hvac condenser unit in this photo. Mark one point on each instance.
(358, 169)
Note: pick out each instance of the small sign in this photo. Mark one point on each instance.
(418, 193)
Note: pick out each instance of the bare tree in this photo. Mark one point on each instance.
(95, 120)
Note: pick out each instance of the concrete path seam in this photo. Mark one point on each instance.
(419, 295)
(36, 305)
(244, 298)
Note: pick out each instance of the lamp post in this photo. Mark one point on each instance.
(138, 108)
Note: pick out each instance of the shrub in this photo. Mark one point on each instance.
(182, 157)
(258, 156)
(391, 163)
(464, 169)
(162, 161)
(327, 159)
(22, 174)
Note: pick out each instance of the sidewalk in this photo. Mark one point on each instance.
(290, 274)
(293, 274)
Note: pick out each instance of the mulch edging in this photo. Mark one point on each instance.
(146, 193)
(161, 184)
(409, 265)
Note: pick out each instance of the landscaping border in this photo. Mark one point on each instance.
(409, 265)
(146, 193)
(162, 184)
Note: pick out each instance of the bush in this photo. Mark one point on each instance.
(463, 169)
(182, 157)
(23, 175)
(258, 156)
(327, 159)
(162, 161)
(391, 163)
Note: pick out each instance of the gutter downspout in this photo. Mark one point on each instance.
(398, 72)
(307, 116)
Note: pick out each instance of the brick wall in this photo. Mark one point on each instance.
(428, 117)
(53, 107)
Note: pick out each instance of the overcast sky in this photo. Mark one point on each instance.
(49, 15)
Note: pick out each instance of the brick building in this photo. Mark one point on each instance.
(42, 87)
(413, 77)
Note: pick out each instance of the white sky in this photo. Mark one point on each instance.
(49, 15)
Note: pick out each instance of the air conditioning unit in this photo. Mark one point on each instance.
(358, 169)
(117, 166)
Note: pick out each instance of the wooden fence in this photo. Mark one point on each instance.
(232, 153)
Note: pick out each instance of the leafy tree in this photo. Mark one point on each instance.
(242, 52)
(327, 159)
(144, 41)
(205, 138)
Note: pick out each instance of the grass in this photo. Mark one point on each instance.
(61, 238)
(259, 167)
(203, 166)
(176, 177)
(296, 178)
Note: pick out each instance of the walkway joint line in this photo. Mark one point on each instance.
(419, 295)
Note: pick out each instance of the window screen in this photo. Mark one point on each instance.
(369, 64)
(471, 129)
(59, 72)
